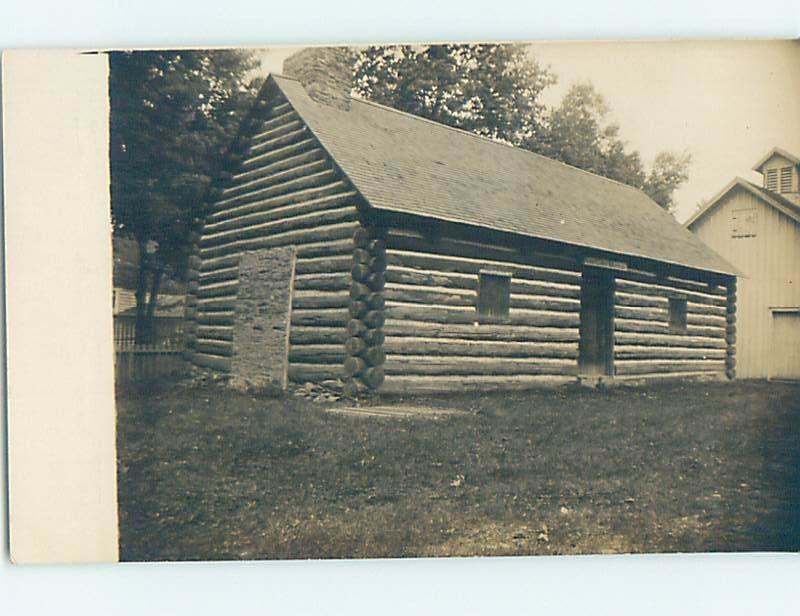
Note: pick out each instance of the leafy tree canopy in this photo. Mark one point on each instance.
(495, 90)
(173, 117)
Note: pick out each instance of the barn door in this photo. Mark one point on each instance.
(785, 350)
(597, 323)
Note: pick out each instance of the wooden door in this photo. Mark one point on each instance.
(785, 351)
(597, 324)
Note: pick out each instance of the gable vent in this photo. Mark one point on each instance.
(786, 179)
(771, 180)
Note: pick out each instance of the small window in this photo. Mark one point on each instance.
(786, 179)
(494, 294)
(677, 314)
(771, 180)
(744, 223)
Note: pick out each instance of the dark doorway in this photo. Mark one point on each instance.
(597, 323)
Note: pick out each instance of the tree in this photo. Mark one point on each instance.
(173, 116)
(489, 89)
(669, 171)
(578, 133)
(495, 90)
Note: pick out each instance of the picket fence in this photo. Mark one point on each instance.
(136, 363)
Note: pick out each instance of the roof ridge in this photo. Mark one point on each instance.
(496, 142)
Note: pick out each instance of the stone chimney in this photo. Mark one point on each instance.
(325, 72)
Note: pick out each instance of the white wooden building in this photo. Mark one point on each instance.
(757, 228)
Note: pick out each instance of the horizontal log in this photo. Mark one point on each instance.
(294, 236)
(217, 289)
(247, 181)
(325, 248)
(336, 187)
(483, 331)
(667, 340)
(696, 376)
(284, 146)
(261, 141)
(320, 299)
(705, 309)
(223, 364)
(235, 223)
(660, 290)
(450, 365)
(213, 304)
(321, 177)
(705, 319)
(290, 156)
(397, 345)
(215, 318)
(633, 366)
(214, 347)
(469, 283)
(448, 314)
(677, 286)
(277, 183)
(337, 281)
(429, 295)
(278, 120)
(640, 301)
(630, 325)
(313, 373)
(463, 265)
(405, 384)
(320, 316)
(317, 353)
(339, 213)
(219, 275)
(462, 248)
(317, 335)
(661, 352)
(215, 332)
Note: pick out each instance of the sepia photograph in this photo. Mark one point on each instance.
(443, 300)
(471, 299)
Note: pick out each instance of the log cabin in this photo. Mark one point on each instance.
(756, 226)
(353, 241)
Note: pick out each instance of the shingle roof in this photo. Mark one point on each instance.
(403, 163)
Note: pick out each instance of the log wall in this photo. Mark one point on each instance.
(285, 191)
(646, 346)
(436, 341)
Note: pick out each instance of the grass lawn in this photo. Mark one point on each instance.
(206, 473)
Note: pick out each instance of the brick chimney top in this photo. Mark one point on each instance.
(325, 72)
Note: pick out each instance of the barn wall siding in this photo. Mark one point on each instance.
(770, 262)
(286, 192)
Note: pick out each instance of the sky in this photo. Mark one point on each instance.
(725, 102)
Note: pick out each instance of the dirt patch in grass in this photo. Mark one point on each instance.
(206, 473)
